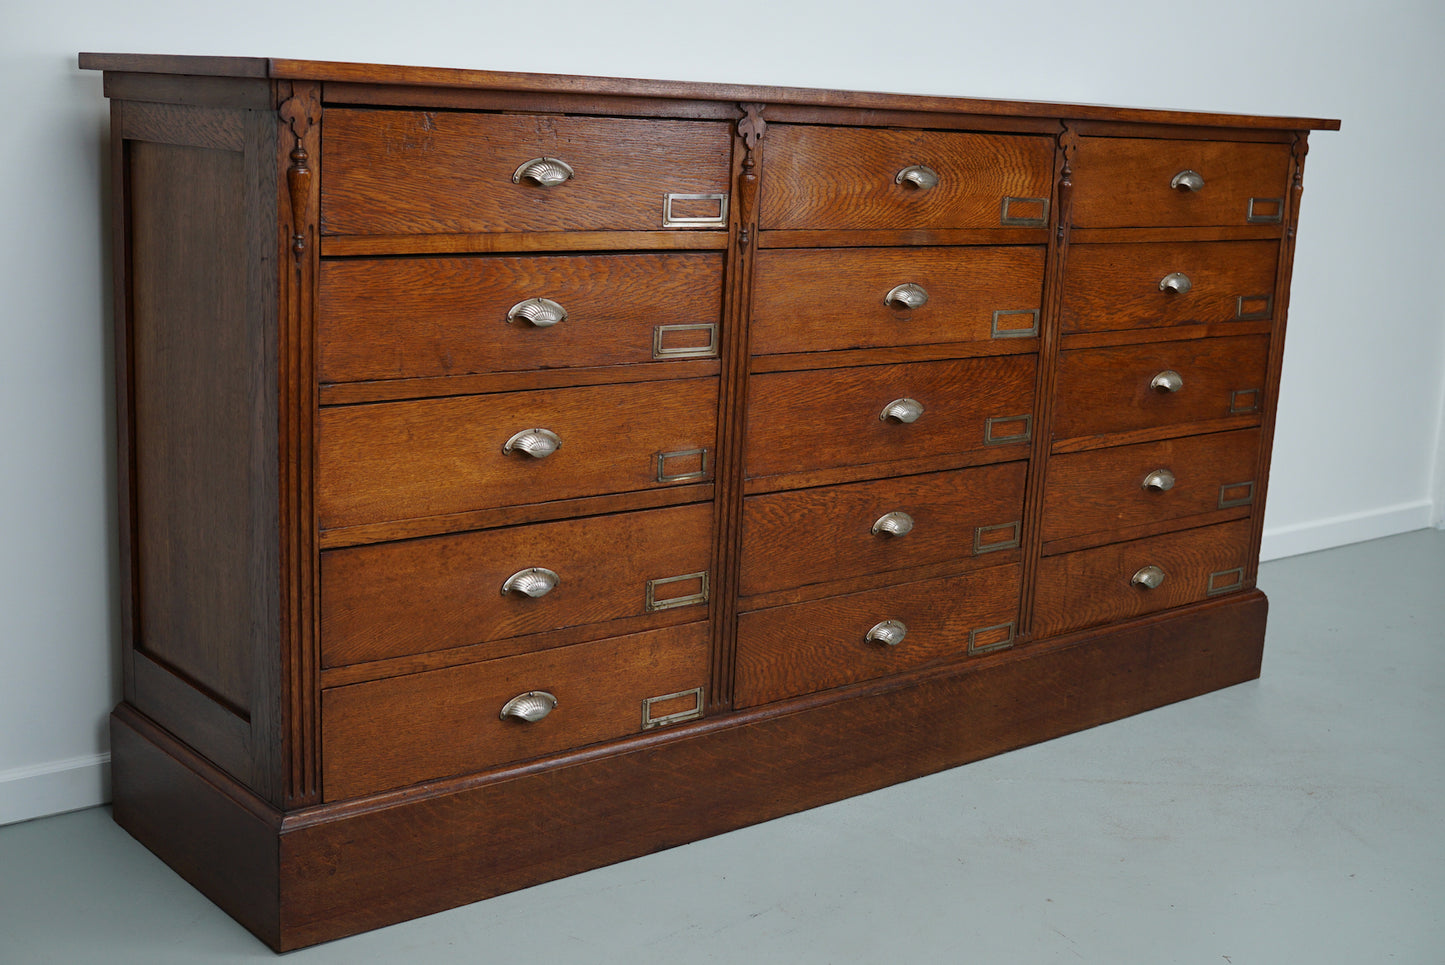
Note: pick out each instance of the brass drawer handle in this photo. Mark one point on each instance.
(534, 581)
(902, 410)
(1176, 282)
(538, 443)
(1159, 481)
(1167, 381)
(529, 707)
(919, 176)
(896, 523)
(1187, 180)
(906, 296)
(1148, 577)
(890, 633)
(544, 172)
(538, 312)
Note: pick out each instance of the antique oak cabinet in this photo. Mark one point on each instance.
(522, 473)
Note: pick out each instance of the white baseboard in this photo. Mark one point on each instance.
(1323, 534)
(54, 787)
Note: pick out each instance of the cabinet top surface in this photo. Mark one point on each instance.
(376, 74)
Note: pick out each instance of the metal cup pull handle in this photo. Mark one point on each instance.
(544, 172)
(534, 581)
(1147, 577)
(1187, 180)
(1176, 282)
(906, 297)
(902, 410)
(896, 524)
(538, 443)
(919, 176)
(890, 633)
(1159, 481)
(538, 312)
(529, 707)
(1167, 381)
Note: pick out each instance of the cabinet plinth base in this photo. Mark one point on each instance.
(308, 876)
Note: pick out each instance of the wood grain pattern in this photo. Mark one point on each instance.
(391, 599)
(1102, 490)
(1114, 287)
(804, 536)
(825, 177)
(830, 418)
(1093, 586)
(399, 318)
(433, 457)
(826, 299)
(808, 647)
(390, 733)
(1125, 181)
(437, 171)
(1108, 390)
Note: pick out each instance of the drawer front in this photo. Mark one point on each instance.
(390, 733)
(813, 300)
(838, 177)
(1104, 489)
(1127, 182)
(808, 536)
(806, 647)
(398, 318)
(392, 599)
(1101, 585)
(402, 172)
(1130, 286)
(431, 457)
(1122, 389)
(834, 417)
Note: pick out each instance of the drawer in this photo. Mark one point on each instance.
(1104, 489)
(840, 177)
(1109, 583)
(403, 172)
(822, 419)
(431, 457)
(392, 599)
(1144, 182)
(390, 733)
(1121, 389)
(1130, 286)
(399, 318)
(834, 532)
(806, 647)
(816, 300)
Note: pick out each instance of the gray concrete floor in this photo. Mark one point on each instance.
(1295, 819)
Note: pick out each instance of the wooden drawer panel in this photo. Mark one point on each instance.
(392, 599)
(394, 732)
(813, 535)
(1126, 182)
(1111, 389)
(791, 650)
(1094, 586)
(1104, 489)
(812, 299)
(402, 172)
(839, 177)
(1116, 287)
(398, 318)
(821, 419)
(430, 457)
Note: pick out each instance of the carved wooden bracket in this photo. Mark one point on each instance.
(301, 111)
(750, 128)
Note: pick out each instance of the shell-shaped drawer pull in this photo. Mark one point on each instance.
(919, 176)
(1187, 180)
(534, 581)
(538, 443)
(545, 172)
(1147, 577)
(1176, 282)
(1167, 381)
(906, 297)
(896, 523)
(537, 312)
(529, 707)
(1158, 481)
(902, 410)
(890, 633)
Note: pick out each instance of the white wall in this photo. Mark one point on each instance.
(1359, 422)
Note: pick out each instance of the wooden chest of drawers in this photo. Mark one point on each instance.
(521, 473)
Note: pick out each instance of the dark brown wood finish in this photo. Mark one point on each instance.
(316, 374)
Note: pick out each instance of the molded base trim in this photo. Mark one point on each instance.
(335, 870)
(54, 787)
